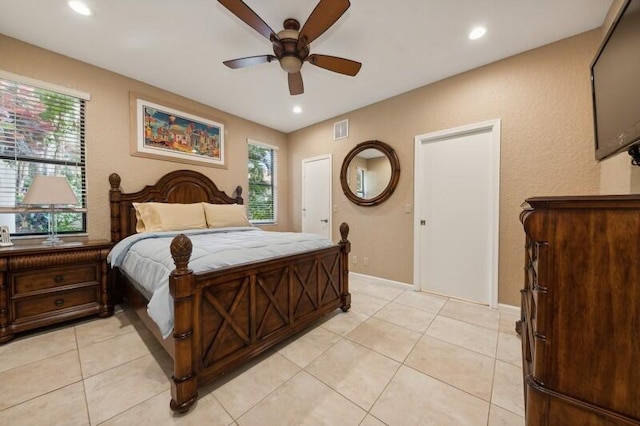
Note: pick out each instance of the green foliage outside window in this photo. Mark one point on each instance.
(262, 194)
(41, 133)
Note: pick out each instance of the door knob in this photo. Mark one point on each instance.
(324, 220)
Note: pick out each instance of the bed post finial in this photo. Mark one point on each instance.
(184, 383)
(345, 248)
(239, 199)
(181, 248)
(114, 180)
(344, 232)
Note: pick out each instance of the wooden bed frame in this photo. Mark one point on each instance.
(224, 318)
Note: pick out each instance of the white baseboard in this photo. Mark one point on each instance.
(508, 309)
(380, 280)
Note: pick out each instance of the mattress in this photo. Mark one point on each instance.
(146, 258)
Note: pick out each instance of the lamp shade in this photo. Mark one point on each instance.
(50, 190)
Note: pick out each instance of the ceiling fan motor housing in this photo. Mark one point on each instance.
(286, 47)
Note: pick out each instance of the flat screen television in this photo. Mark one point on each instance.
(615, 83)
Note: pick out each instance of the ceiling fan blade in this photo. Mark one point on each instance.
(326, 13)
(295, 83)
(249, 61)
(335, 64)
(249, 17)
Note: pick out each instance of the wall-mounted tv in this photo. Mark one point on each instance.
(615, 82)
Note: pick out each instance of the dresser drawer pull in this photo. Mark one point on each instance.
(58, 279)
(59, 302)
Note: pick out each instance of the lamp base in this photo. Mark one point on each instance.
(52, 240)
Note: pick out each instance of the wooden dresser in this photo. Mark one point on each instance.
(42, 285)
(581, 310)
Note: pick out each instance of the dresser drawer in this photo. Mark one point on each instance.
(27, 307)
(41, 279)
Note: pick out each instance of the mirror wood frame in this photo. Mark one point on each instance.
(393, 180)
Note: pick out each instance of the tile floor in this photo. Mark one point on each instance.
(398, 358)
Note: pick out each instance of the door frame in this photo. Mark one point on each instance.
(493, 127)
(302, 201)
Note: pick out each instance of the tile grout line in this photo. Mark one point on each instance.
(84, 388)
(341, 338)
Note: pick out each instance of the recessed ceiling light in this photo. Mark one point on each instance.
(477, 32)
(297, 110)
(80, 7)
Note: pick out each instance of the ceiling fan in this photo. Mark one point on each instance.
(291, 45)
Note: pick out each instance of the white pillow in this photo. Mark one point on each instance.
(225, 215)
(153, 217)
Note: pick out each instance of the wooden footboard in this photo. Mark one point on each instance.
(225, 318)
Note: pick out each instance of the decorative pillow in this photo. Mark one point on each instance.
(223, 215)
(169, 217)
(139, 223)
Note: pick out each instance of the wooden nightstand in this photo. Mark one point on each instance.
(41, 285)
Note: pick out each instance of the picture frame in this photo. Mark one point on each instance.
(5, 237)
(164, 132)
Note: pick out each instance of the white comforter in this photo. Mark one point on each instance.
(146, 258)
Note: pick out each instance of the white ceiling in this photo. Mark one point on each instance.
(403, 44)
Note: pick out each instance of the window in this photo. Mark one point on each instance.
(262, 183)
(41, 133)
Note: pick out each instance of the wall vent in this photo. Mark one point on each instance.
(340, 130)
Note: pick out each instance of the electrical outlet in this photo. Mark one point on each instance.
(354, 259)
(365, 261)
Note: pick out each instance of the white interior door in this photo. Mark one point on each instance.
(456, 197)
(316, 195)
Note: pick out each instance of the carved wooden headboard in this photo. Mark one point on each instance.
(180, 186)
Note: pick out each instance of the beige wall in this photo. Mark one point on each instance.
(107, 131)
(543, 98)
(617, 175)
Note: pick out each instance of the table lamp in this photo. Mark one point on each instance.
(50, 191)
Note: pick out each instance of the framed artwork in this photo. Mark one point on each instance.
(166, 133)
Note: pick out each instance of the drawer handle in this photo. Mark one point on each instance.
(58, 278)
(59, 302)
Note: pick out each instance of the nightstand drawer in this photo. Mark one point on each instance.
(25, 282)
(27, 307)
(44, 285)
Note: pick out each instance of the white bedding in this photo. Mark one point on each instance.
(146, 258)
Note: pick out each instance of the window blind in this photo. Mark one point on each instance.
(42, 132)
(262, 168)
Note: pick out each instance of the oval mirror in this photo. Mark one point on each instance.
(370, 173)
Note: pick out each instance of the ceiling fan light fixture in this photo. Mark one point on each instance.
(290, 64)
